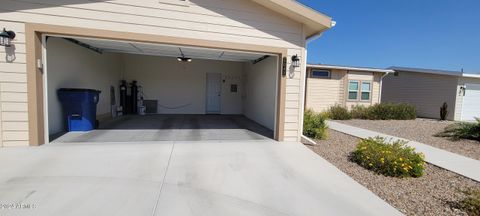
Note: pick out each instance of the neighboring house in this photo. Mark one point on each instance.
(242, 53)
(428, 89)
(329, 85)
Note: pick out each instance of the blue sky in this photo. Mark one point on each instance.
(437, 34)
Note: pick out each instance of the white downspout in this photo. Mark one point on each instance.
(381, 87)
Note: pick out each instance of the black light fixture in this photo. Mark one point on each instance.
(183, 58)
(6, 38)
(295, 61)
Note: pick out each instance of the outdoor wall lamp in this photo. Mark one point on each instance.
(183, 58)
(6, 38)
(295, 61)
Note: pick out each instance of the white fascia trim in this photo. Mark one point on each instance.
(351, 68)
(471, 75)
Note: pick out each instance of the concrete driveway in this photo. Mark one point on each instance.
(178, 178)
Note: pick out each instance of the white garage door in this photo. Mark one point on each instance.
(471, 102)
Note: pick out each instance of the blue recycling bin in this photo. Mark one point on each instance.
(80, 108)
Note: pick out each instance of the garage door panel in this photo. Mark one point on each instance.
(471, 102)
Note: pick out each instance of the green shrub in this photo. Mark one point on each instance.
(338, 112)
(462, 130)
(388, 111)
(395, 159)
(471, 203)
(359, 112)
(315, 125)
(444, 111)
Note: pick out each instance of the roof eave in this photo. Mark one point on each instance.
(377, 70)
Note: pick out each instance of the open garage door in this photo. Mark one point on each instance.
(167, 94)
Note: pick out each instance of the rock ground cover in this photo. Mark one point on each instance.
(431, 194)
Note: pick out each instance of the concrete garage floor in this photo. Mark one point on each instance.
(180, 178)
(172, 128)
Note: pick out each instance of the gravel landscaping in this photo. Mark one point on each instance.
(420, 130)
(430, 194)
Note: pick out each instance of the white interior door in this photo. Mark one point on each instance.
(471, 102)
(213, 93)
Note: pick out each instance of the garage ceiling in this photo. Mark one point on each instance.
(169, 50)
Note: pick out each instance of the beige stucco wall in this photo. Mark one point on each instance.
(235, 21)
(459, 99)
(72, 66)
(260, 91)
(324, 93)
(427, 92)
(180, 88)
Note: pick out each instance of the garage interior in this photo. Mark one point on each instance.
(184, 93)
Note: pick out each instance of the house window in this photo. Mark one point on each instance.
(320, 74)
(353, 90)
(366, 91)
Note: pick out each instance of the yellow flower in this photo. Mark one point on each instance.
(370, 164)
(401, 159)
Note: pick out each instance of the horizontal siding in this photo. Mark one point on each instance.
(233, 21)
(13, 77)
(13, 67)
(15, 136)
(13, 89)
(13, 97)
(294, 94)
(427, 92)
(14, 116)
(15, 126)
(357, 75)
(291, 119)
(14, 107)
(324, 93)
(17, 58)
(15, 143)
(376, 88)
(291, 126)
(18, 47)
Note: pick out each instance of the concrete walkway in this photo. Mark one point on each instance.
(462, 165)
(179, 178)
